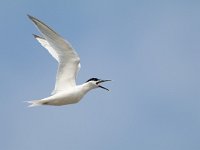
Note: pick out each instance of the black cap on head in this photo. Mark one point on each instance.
(93, 79)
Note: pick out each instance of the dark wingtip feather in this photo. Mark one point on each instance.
(33, 19)
(37, 36)
(30, 17)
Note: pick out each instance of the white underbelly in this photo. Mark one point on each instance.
(62, 99)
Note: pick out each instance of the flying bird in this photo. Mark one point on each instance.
(66, 91)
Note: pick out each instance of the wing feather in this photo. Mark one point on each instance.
(62, 51)
(46, 45)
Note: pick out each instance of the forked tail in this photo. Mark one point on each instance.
(34, 103)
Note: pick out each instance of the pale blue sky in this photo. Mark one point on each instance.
(151, 49)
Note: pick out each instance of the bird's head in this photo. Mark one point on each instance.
(95, 82)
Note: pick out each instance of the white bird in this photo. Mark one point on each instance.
(66, 91)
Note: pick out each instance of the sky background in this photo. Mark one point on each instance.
(151, 51)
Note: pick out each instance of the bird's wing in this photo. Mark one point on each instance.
(62, 51)
(46, 45)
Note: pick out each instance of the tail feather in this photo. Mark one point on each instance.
(34, 103)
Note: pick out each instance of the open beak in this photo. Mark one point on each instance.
(101, 81)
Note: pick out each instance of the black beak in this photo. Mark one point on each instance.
(101, 81)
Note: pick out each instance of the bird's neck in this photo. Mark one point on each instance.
(87, 87)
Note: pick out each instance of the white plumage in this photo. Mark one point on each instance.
(66, 91)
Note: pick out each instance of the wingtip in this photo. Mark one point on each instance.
(36, 36)
(30, 17)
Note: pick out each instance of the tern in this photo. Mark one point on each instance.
(66, 91)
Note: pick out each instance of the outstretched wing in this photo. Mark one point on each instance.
(62, 51)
